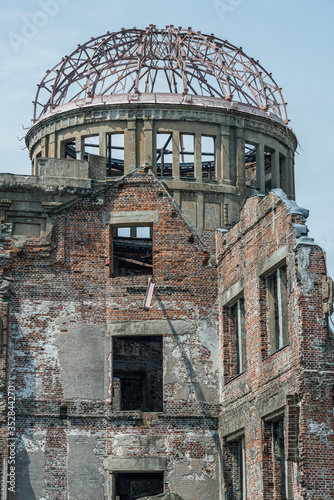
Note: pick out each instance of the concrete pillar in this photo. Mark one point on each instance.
(103, 144)
(44, 147)
(79, 147)
(176, 155)
(130, 134)
(198, 157)
(148, 141)
(275, 180)
(52, 146)
(225, 156)
(200, 210)
(177, 197)
(240, 157)
(260, 168)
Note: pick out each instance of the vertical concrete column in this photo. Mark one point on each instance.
(44, 147)
(260, 168)
(225, 177)
(130, 138)
(103, 144)
(198, 157)
(148, 141)
(240, 157)
(200, 210)
(176, 155)
(177, 197)
(52, 146)
(275, 181)
(79, 147)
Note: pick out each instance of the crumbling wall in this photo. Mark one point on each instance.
(282, 384)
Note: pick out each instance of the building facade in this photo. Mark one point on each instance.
(164, 314)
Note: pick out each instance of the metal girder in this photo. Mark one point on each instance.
(171, 60)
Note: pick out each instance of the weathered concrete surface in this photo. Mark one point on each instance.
(85, 477)
(30, 468)
(83, 355)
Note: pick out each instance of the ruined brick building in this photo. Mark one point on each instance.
(164, 314)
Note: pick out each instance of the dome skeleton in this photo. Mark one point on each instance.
(141, 61)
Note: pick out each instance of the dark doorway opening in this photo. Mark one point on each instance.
(130, 486)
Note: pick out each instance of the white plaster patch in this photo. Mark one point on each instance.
(323, 430)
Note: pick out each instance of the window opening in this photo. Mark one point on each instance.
(277, 475)
(137, 373)
(282, 163)
(70, 150)
(115, 155)
(91, 146)
(250, 165)
(236, 469)
(164, 154)
(131, 486)
(208, 157)
(238, 314)
(267, 168)
(187, 155)
(277, 309)
(132, 250)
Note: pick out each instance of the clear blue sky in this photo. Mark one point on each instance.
(293, 39)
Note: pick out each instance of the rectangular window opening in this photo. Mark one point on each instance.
(208, 157)
(115, 155)
(134, 485)
(91, 145)
(164, 154)
(276, 285)
(267, 168)
(70, 150)
(132, 250)
(282, 163)
(277, 475)
(137, 374)
(236, 469)
(187, 156)
(237, 312)
(250, 165)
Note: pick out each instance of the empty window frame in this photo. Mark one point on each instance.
(70, 150)
(267, 168)
(235, 462)
(237, 312)
(277, 313)
(134, 485)
(164, 146)
(115, 155)
(277, 471)
(282, 171)
(250, 165)
(137, 374)
(208, 157)
(132, 250)
(91, 146)
(187, 155)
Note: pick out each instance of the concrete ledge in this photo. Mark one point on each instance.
(232, 294)
(150, 327)
(134, 217)
(141, 464)
(271, 263)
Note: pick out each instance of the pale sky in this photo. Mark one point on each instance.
(293, 39)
